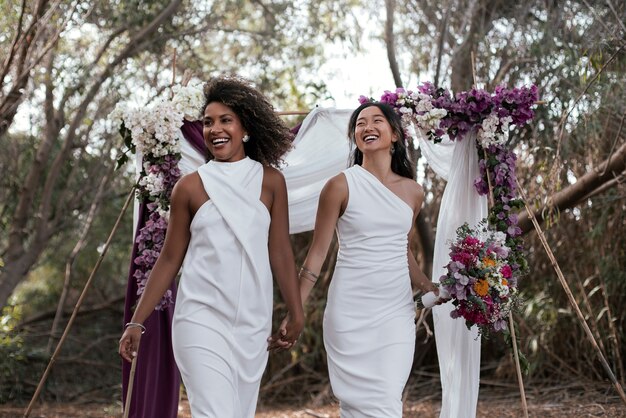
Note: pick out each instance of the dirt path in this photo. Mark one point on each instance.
(572, 407)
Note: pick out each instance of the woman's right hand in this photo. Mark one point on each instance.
(129, 343)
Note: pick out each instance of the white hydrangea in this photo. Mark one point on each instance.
(153, 183)
(494, 130)
(188, 100)
(154, 131)
(431, 119)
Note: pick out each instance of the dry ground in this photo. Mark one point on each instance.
(567, 406)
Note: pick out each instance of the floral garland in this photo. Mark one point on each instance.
(486, 262)
(155, 135)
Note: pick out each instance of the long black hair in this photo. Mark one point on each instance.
(270, 138)
(400, 162)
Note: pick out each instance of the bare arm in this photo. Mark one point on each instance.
(281, 254)
(418, 278)
(333, 201)
(166, 267)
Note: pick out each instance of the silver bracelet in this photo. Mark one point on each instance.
(136, 325)
(304, 271)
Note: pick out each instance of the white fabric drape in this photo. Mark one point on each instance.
(321, 150)
(190, 157)
(458, 348)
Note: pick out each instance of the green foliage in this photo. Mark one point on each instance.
(13, 365)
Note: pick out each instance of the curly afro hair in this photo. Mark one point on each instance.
(270, 138)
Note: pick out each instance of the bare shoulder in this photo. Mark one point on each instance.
(273, 177)
(414, 191)
(187, 185)
(336, 185)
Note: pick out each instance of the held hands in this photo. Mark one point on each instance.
(287, 334)
(129, 342)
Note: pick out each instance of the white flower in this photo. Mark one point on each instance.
(188, 100)
(494, 130)
(431, 119)
(165, 214)
(153, 184)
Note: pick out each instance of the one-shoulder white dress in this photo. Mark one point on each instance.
(369, 328)
(223, 309)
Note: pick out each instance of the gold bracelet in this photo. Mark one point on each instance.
(304, 270)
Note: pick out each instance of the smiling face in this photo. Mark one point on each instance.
(223, 133)
(372, 131)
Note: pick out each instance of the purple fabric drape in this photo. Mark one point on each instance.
(157, 381)
(192, 131)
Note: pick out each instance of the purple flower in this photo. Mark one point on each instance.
(499, 325)
(459, 292)
(514, 231)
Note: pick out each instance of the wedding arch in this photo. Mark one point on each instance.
(463, 138)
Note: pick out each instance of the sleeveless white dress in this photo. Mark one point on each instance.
(369, 328)
(223, 309)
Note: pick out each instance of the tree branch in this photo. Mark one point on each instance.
(593, 180)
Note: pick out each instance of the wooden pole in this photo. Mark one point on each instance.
(293, 112)
(77, 306)
(131, 380)
(518, 368)
(570, 296)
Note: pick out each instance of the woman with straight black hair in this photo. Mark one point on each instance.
(369, 321)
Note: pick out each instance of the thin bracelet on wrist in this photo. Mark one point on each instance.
(305, 271)
(135, 325)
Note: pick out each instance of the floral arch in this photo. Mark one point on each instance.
(464, 138)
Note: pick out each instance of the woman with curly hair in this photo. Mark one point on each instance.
(229, 231)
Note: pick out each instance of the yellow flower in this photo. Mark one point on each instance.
(505, 282)
(481, 287)
(489, 262)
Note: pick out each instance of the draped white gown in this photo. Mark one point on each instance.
(224, 304)
(369, 328)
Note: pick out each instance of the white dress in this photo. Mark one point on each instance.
(369, 328)
(224, 304)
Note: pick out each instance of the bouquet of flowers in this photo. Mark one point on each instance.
(480, 278)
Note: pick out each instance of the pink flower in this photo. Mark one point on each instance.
(506, 271)
(471, 241)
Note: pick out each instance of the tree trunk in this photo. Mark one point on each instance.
(390, 42)
(483, 13)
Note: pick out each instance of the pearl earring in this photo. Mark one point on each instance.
(245, 138)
